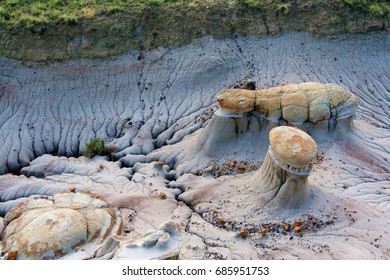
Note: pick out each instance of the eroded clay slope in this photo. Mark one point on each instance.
(138, 102)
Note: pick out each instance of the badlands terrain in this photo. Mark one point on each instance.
(183, 180)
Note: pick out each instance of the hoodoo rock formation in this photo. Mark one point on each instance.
(280, 183)
(293, 103)
(286, 166)
(246, 116)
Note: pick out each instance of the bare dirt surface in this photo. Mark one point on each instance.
(175, 159)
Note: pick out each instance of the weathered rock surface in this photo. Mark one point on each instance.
(293, 103)
(237, 101)
(49, 229)
(162, 244)
(292, 146)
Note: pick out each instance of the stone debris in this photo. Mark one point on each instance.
(11, 255)
(263, 231)
(298, 228)
(243, 233)
(162, 195)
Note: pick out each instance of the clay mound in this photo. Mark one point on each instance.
(50, 229)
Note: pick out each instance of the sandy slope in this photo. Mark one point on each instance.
(146, 105)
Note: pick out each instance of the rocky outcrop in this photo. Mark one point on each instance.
(293, 103)
(50, 229)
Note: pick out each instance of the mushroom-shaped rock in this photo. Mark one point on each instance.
(49, 229)
(286, 167)
(292, 148)
(162, 244)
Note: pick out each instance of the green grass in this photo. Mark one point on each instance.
(95, 147)
(375, 8)
(30, 13)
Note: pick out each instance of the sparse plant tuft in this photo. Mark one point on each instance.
(95, 147)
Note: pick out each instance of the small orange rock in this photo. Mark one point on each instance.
(297, 223)
(162, 195)
(240, 167)
(298, 228)
(72, 189)
(220, 220)
(263, 231)
(286, 226)
(243, 233)
(232, 163)
(12, 255)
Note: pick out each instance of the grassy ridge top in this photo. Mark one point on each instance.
(42, 30)
(30, 13)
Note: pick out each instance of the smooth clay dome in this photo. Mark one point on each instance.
(53, 228)
(292, 148)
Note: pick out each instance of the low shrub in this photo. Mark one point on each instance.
(95, 147)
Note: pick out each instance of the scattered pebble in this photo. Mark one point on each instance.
(12, 255)
(162, 195)
(244, 233)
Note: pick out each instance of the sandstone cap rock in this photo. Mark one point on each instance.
(237, 101)
(292, 147)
